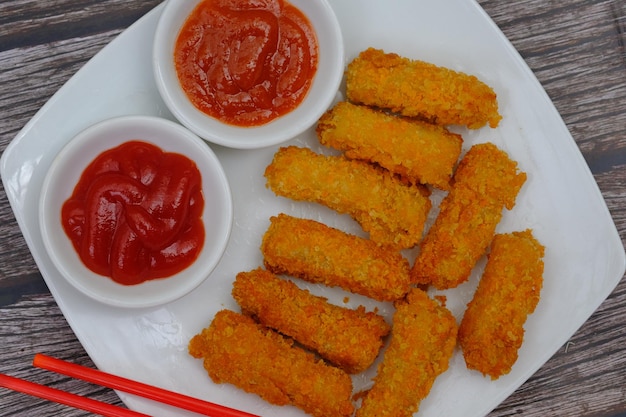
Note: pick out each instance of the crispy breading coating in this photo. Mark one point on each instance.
(315, 252)
(489, 171)
(239, 351)
(419, 152)
(349, 339)
(423, 338)
(392, 213)
(491, 331)
(485, 182)
(419, 89)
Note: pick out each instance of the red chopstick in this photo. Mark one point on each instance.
(137, 388)
(62, 397)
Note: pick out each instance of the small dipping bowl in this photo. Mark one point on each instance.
(319, 98)
(65, 172)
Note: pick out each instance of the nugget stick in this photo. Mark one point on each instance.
(391, 212)
(349, 339)
(485, 182)
(237, 350)
(415, 88)
(417, 151)
(312, 251)
(422, 342)
(492, 328)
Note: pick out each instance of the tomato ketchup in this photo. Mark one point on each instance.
(136, 213)
(246, 62)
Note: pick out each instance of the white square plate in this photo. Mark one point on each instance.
(561, 202)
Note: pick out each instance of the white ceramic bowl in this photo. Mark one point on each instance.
(320, 96)
(64, 174)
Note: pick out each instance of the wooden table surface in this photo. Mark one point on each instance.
(576, 48)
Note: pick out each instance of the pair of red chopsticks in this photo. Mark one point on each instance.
(110, 381)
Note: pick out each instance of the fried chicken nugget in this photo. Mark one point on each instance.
(491, 331)
(485, 182)
(239, 351)
(349, 339)
(419, 152)
(392, 212)
(312, 251)
(420, 89)
(423, 338)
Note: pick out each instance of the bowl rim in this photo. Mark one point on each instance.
(321, 95)
(84, 147)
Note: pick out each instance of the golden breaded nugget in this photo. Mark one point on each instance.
(318, 253)
(349, 339)
(489, 171)
(485, 182)
(492, 329)
(419, 152)
(392, 213)
(419, 89)
(239, 351)
(423, 338)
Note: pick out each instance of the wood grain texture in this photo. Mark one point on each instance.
(35, 324)
(577, 50)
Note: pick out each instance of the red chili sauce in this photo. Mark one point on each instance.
(136, 213)
(246, 62)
